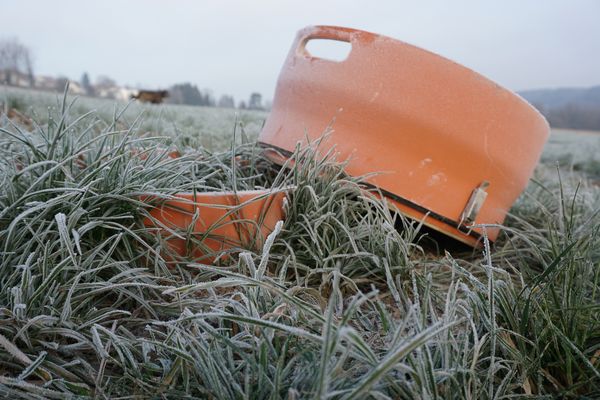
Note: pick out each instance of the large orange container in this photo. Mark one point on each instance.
(218, 221)
(453, 148)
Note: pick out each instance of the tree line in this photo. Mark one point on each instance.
(16, 63)
(16, 69)
(572, 116)
(188, 93)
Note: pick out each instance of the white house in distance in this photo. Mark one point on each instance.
(43, 82)
(114, 92)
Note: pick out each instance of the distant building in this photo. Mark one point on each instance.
(15, 78)
(76, 88)
(45, 82)
(125, 93)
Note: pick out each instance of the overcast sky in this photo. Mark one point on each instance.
(236, 47)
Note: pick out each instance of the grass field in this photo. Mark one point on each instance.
(338, 303)
(187, 125)
(579, 150)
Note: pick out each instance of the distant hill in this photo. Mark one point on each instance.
(556, 98)
(571, 108)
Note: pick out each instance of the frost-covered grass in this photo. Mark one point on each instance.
(577, 149)
(343, 302)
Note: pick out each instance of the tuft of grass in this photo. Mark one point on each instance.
(341, 302)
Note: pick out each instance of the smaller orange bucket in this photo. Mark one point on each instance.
(201, 226)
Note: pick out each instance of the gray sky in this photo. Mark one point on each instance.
(235, 46)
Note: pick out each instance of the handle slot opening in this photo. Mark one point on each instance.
(328, 49)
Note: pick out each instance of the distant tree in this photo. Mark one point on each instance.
(186, 93)
(60, 83)
(15, 62)
(105, 87)
(208, 98)
(255, 102)
(573, 116)
(86, 84)
(268, 105)
(226, 101)
(105, 82)
(242, 105)
(540, 107)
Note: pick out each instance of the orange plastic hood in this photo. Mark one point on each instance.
(453, 148)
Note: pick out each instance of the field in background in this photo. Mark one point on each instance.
(344, 301)
(573, 148)
(191, 126)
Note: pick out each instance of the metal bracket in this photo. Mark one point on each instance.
(469, 213)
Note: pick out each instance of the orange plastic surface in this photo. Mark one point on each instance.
(434, 129)
(219, 221)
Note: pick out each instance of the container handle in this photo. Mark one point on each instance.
(336, 33)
